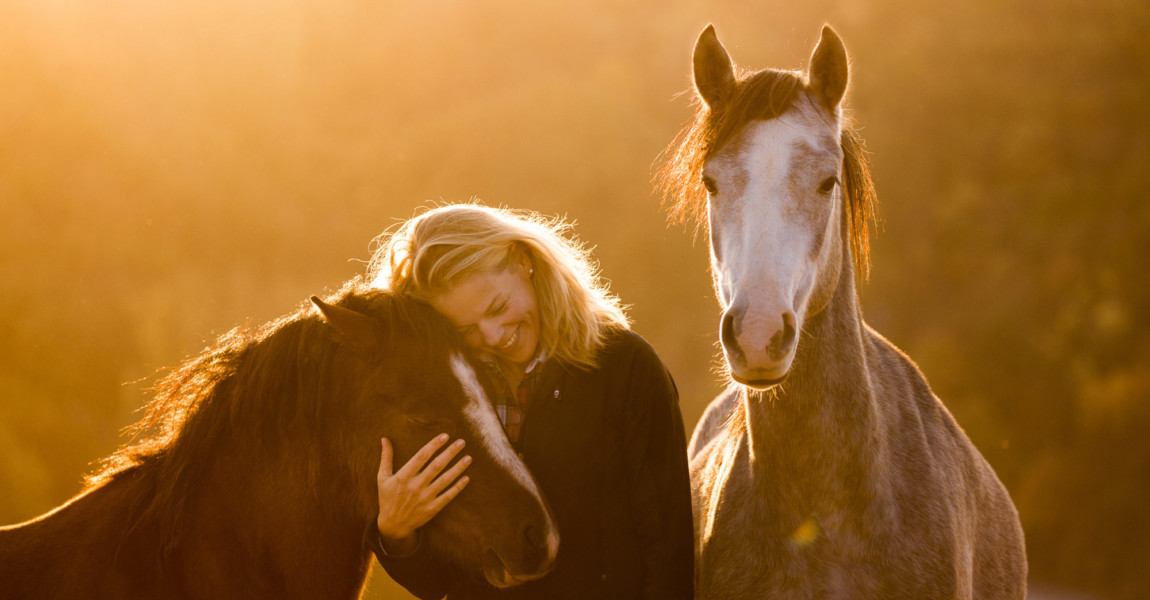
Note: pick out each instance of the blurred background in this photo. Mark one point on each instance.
(169, 170)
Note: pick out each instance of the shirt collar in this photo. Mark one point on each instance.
(535, 362)
(491, 361)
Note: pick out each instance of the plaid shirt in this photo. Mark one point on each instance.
(511, 405)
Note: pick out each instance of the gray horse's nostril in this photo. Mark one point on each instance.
(781, 342)
(788, 328)
(727, 335)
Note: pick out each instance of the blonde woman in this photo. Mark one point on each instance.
(585, 401)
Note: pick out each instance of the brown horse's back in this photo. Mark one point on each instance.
(99, 546)
(75, 551)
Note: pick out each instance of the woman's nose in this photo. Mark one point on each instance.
(492, 333)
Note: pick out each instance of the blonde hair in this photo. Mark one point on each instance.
(434, 250)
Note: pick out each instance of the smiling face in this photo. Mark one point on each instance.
(496, 312)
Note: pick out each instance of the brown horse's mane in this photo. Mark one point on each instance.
(262, 382)
(759, 95)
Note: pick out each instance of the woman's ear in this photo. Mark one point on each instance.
(524, 261)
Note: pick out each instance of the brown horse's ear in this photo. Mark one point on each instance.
(713, 70)
(357, 329)
(828, 71)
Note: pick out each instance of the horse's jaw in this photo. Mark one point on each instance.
(499, 576)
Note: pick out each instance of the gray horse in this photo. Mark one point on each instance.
(828, 469)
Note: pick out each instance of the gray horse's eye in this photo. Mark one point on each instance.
(709, 183)
(828, 185)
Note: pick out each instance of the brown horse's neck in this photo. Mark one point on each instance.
(277, 527)
(815, 436)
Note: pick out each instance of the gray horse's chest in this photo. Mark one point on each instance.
(807, 558)
(753, 544)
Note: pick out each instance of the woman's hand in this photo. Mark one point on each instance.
(411, 496)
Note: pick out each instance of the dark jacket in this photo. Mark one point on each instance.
(608, 451)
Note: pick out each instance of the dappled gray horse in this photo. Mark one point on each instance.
(828, 469)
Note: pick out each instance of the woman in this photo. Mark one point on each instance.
(586, 402)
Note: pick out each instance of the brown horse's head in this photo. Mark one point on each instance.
(403, 375)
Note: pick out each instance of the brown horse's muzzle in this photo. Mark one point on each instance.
(538, 547)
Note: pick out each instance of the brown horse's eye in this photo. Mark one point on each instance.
(709, 183)
(828, 185)
(424, 423)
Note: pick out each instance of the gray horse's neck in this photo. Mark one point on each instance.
(815, 437)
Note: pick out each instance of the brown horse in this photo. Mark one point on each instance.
(258, 479)
(828, 469)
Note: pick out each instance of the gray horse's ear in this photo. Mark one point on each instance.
(357, 329)
(829, 70)
(713, 70)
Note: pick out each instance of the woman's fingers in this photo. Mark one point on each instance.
(384, 460)
(415, 465)
(433, 469)
(410, 496)
(448, 476)
(441, 500)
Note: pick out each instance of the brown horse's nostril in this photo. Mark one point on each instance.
(535, 537)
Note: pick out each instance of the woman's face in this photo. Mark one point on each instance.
(496, 312)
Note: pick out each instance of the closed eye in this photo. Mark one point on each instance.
(425, 423)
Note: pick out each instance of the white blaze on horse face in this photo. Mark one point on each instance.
(482, 417)
(774, 219)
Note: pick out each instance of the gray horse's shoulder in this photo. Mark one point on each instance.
(714, 418)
